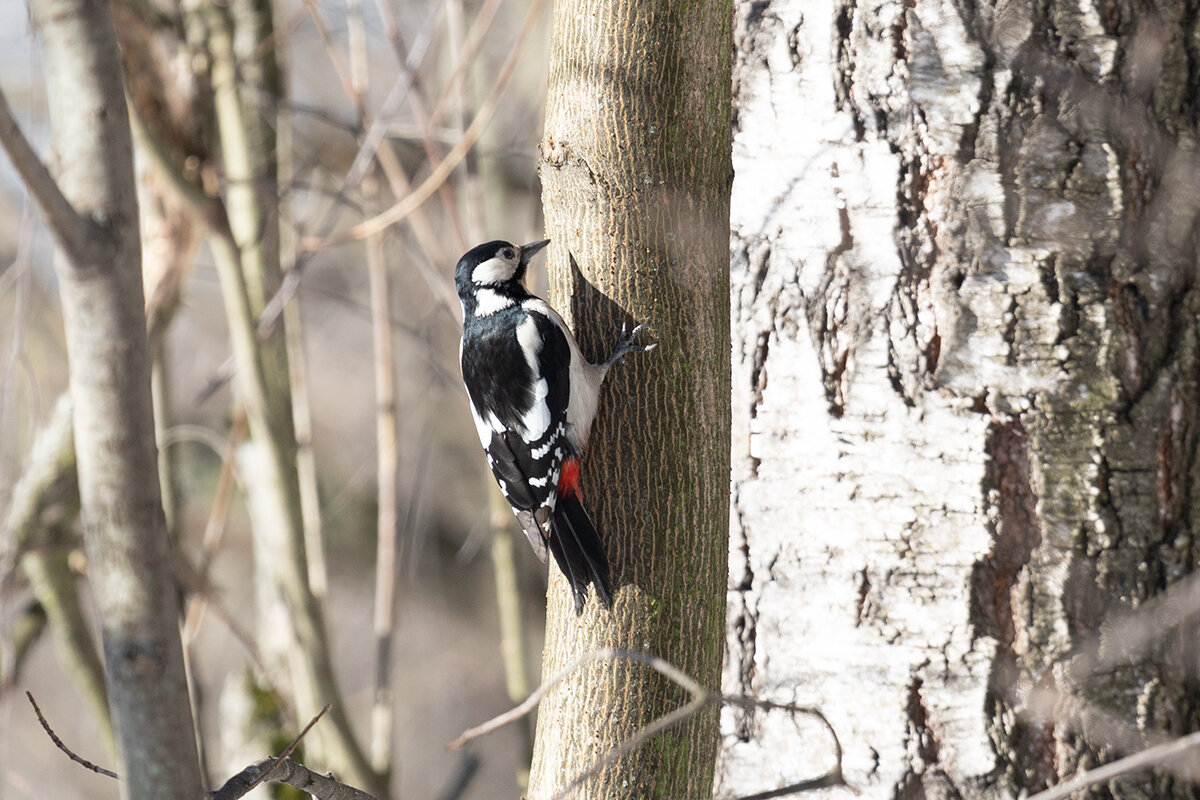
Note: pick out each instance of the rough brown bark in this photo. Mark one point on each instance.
(101, 285)
(966, 332)
(635, 174)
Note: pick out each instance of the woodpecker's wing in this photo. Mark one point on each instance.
(517, 372)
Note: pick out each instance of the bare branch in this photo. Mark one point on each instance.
(438, 176)
(396, 95)
(59, 742)
(420, 113)
(829, 779)
(340, 67)
(374, 148)
(701, 699)
(287, 751)
(77, 237)
(281, 769)
(532, 701)
(470, 46)
(323, 787)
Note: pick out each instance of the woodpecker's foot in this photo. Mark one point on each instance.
(625, 345)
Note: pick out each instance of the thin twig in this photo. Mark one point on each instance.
(293, 335)
(470, 46)
(217, 381)
(386, 436)
(340, 67)
(406, 205)
(408, 62)
(420, 113)
(214, 528)
(59, 743)
(287, 751)
(21, 274)
(370, 147)
(603, 654)
(1122, 766)
(532, 701)
(202, 596)
(53, 582)
(833, 777)
(826, 781)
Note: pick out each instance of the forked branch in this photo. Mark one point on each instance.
(77, 236)
(701, 698)
(281, 769)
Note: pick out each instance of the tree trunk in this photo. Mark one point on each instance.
(635, 173)
(965, 390)
(291, 629)
(99, 270)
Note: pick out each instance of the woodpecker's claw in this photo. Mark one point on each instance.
(625, 344)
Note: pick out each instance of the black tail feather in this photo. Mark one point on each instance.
(578, 550)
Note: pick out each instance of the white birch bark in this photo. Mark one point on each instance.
(963, 334)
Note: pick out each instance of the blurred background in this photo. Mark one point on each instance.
(446, 668)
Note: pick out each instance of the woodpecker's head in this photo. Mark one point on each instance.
(492, 265)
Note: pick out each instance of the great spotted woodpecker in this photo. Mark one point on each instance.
(534, 396)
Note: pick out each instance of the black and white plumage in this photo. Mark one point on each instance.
(533, 397)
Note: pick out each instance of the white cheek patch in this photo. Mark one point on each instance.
(494, 270)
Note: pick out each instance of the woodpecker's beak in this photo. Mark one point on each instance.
(528, 251)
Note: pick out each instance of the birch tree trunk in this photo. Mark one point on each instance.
(635, 174)
(965, 390)
(95, 222)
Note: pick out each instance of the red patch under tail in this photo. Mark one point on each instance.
(568, 481)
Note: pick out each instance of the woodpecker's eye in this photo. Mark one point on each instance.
(508, 253)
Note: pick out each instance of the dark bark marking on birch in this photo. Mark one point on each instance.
(758, 370)
(918, 717)
(745, 626)
(829, 313)
(927, 779)
(1000, 598)
(864, 607)
(844, 76)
